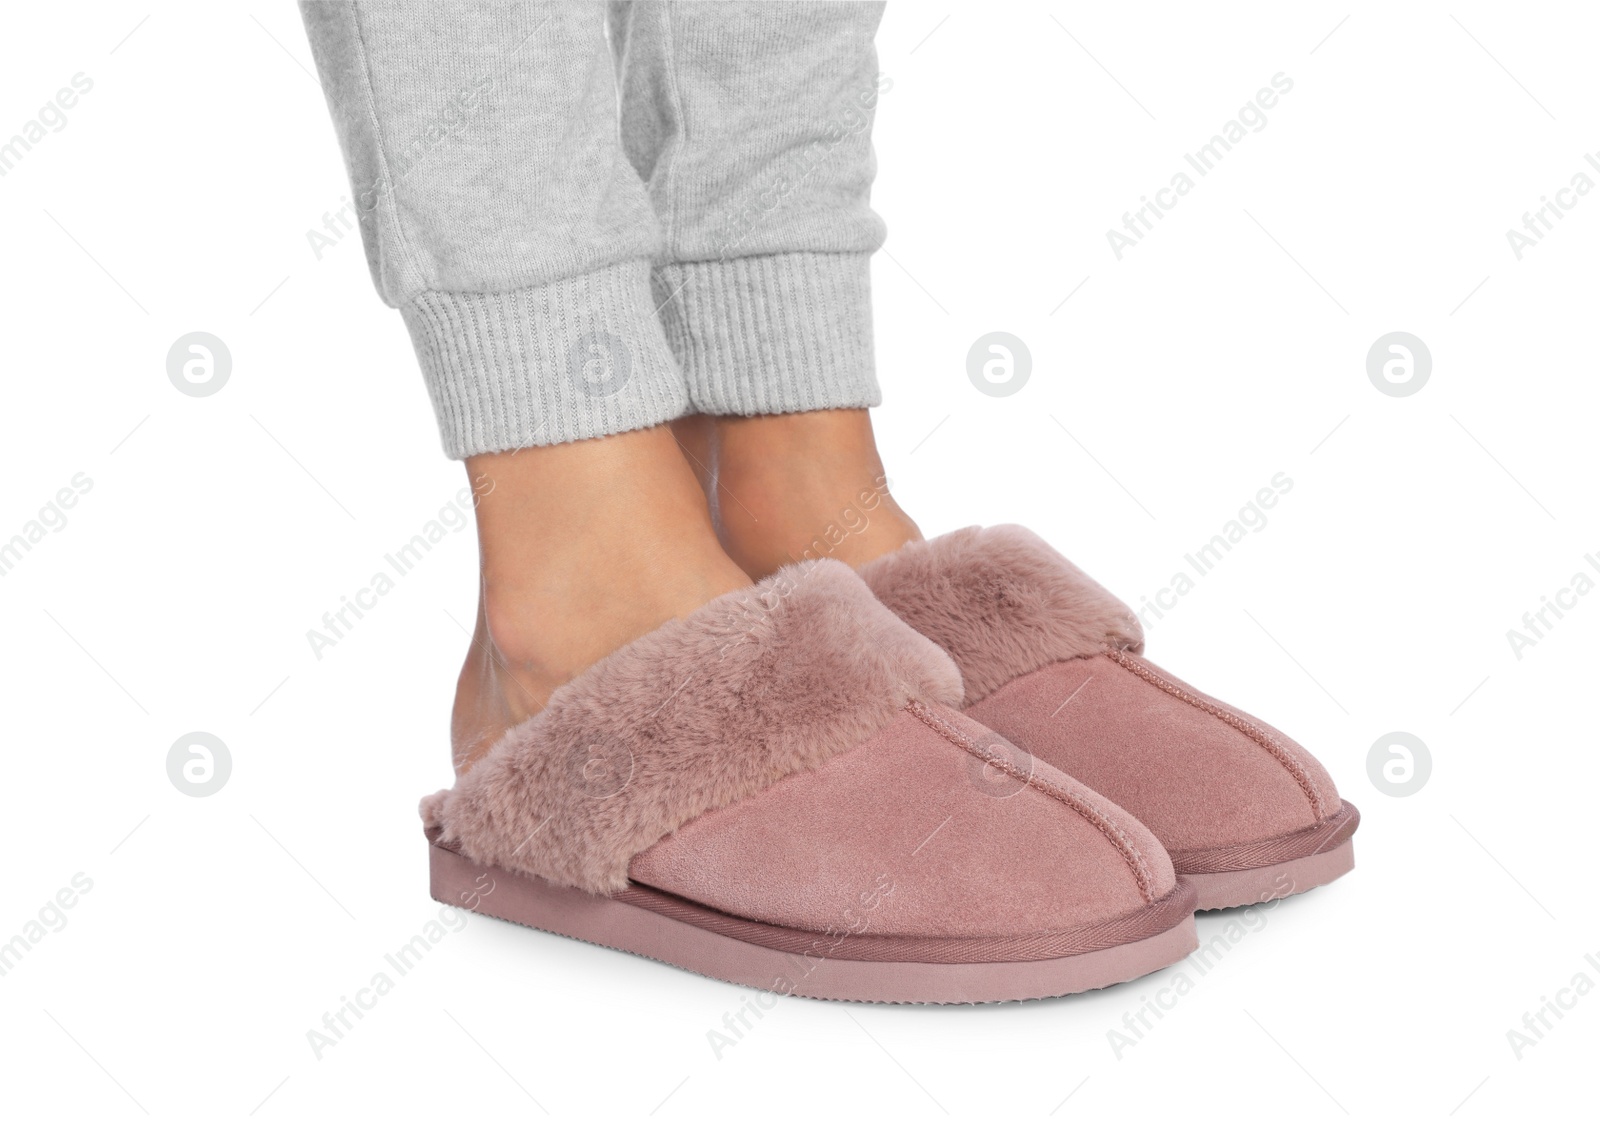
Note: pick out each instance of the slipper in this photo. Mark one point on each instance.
(777, 791)
(1051, 660)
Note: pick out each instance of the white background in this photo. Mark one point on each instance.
(1212, 356)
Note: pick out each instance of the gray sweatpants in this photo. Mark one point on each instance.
(598, 218)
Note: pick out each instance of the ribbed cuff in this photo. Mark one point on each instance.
(772, 333)
(570, 360)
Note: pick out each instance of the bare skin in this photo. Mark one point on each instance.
(584, 547)
(587, 546)
(785, 488)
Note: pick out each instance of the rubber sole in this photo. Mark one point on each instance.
(839, 967)
(1268, 870)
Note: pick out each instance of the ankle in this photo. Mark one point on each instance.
(555, 616)
(583, 550)
(768, 522)
(804, 485)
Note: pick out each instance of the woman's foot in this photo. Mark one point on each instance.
(801, 485)
(583, 547)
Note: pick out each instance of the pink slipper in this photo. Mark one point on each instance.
(776, 791)
(1051, 661)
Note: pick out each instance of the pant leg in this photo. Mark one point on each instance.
(751, 124)
(500, 213)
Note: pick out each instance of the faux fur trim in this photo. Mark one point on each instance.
(698, 714)
(1002, 603)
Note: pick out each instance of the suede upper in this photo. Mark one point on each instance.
(1050, 660)
(1191, 774)
(934, 827)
